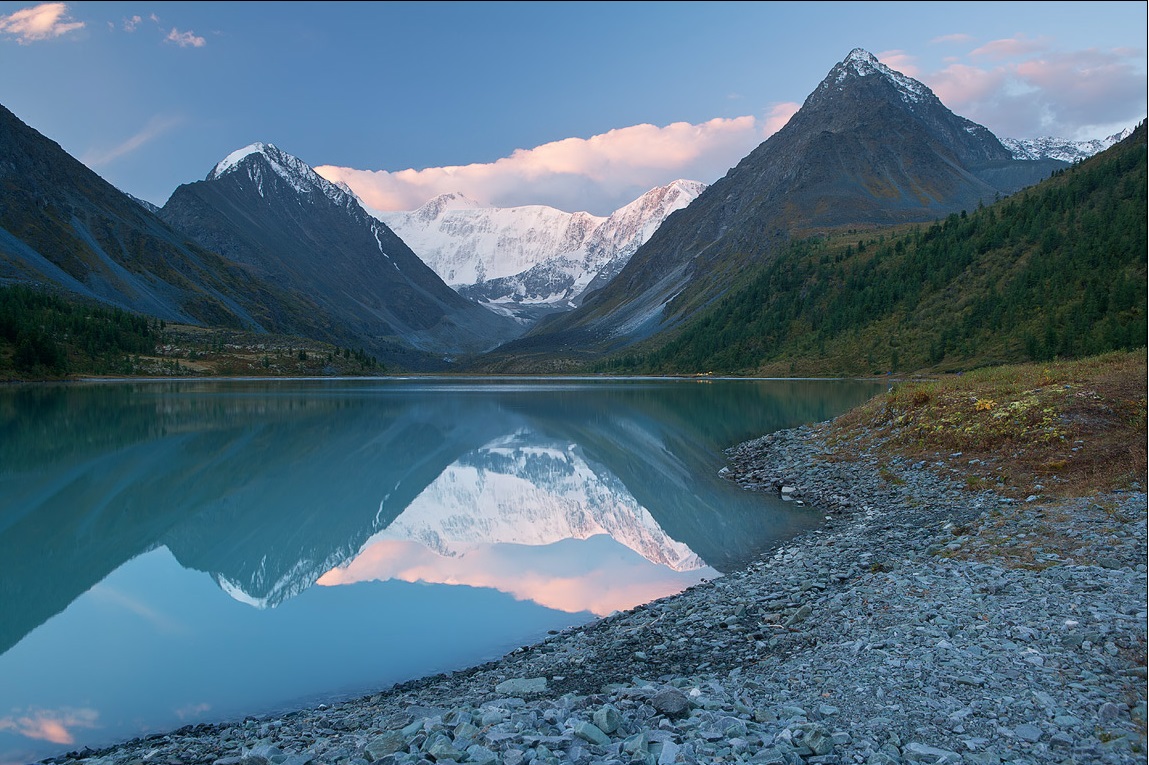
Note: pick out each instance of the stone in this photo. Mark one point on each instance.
(607, 718)
(518, 686)
(1028, 732)
(388, 743)
(921, 753)
(671, 702)
(591, 733)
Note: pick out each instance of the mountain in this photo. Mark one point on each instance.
(1055, 271)
(1062, 149)
(534, 260)
(65, 228)
(869, 147)
(271, 212)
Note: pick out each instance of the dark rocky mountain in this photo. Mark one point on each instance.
(64, 227)
(869, 146)
(271, 212)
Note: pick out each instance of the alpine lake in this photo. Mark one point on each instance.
(175, 552)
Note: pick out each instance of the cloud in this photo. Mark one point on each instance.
(1018, 45)
(131, 24)
(40, 22)
(53, 725)
(185, 39)
(1075, 94)
(954, 38)
(778, 116)
(900, 61)
(154, 128)
(596, 174)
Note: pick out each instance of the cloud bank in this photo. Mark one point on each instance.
(597, 174)
(40, 22)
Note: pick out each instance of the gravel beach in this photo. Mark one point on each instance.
(923, 623)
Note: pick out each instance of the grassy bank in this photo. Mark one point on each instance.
(1055, 430)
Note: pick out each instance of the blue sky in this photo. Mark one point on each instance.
(578, 105)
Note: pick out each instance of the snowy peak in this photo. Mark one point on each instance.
(256, 159)
(862, 63)
(525, 260)
(1062, 149)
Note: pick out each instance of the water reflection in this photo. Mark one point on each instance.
(561, 499)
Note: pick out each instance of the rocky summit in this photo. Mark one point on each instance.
(923, 623)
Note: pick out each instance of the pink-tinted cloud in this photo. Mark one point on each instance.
(54, 725)
(185, 39)
(778, 116)
(618, 583)
(130, 25)
(960, 85)
(900, 61)
(40, 22)
(597, 174)
(1018, 45)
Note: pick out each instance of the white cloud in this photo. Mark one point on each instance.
(40, 22)
(131, 24)
(596, 174)
(154, 128)
(185, 39)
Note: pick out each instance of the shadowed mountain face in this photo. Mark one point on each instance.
(270, 211)
(63, 226)
(869, 146)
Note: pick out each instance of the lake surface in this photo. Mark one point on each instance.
(190, 551)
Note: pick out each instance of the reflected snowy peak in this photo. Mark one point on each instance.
(523, 490)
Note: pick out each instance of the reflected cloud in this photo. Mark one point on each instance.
(54, 725)
(572, 576)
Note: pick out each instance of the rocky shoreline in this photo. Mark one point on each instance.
(924, 623)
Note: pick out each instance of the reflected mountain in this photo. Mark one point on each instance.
(268, 485)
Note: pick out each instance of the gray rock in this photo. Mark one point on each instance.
(591, 733)
(518, 686)
(921, 753)
(671, 702)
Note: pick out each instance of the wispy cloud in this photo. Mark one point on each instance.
(40, 22)
(130, 25)
(1018, 45)
(954, 38)
(154, 128)
(597, 174)
(185, 39)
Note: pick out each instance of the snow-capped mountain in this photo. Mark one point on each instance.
(1062, 149)
(531, 260)
(521, 490)
(270, 211)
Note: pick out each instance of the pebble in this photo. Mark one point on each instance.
(873, 640)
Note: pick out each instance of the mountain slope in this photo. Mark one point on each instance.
(63, 226)
(869, 146)
(1056, 271)
(270, 211)
(533, 260)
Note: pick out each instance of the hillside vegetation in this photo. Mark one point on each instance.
(45, 336)
(1056, 271)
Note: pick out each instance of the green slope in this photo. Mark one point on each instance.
(1056, 271)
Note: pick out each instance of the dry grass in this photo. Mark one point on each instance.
(1072, 428)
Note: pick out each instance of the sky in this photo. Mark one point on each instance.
(581, 106)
